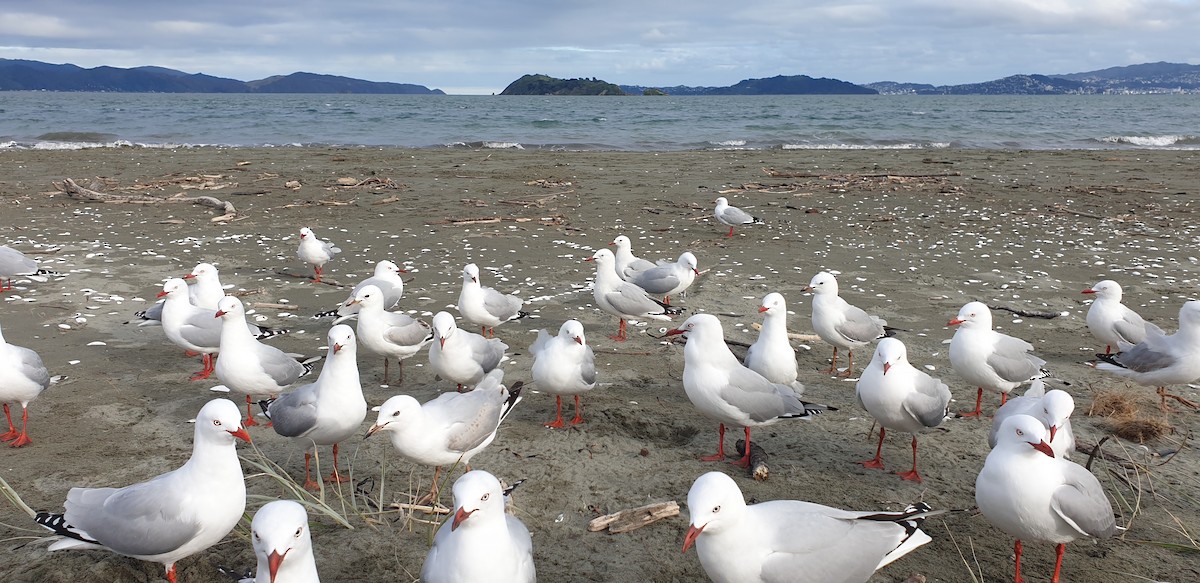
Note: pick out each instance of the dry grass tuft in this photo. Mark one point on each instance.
(1124, 419)
(1140, 429)
(1113, 404)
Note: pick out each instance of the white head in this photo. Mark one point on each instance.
(722, 202)
(443, 327)
(700, 326)
(1057, 406)
(306, 233)
(471, 274)
(890, 352)
(1106, 290)
(477, 496)
(220, 421)
(603, 258)
(573, 330)
(714, 502)
(1189, 314)
(202, 272)
(688, 260)
(974, 315)
(230, 308)
(622, 243)
(393, 412)
(385, 267)
(342, 342)
(773, 304)
(174, 288)
(1019, 432)
(823, 283)
(281, 540)
(368, 297)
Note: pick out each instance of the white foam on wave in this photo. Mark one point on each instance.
(504, 145)
(1145, 141)
(904, 146)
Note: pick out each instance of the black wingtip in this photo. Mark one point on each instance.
(265, 405)
(1110, 359)
(329, 314)
(56, 523)
(889, 331)
(521, 315)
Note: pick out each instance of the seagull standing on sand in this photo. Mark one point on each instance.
(461, 356)
(484, 306)
(989, 359)
(13, 263)
(841, 324)
(621, 298)
(1053, 408)
(733, 216)
(247, 365)
(388, 334)
(563, 365)
(188, 326)
(1110, 321)
(721, 388)
(1162, 359)
(668, 277)
(22, 378)
(282, 544)
(900, 398)
(449, 429)
(480, 541)
(1031, 495)
(627, 263)
(172, 516)
(772, 355)
(386, 278)
(315, 252)
(327, 411)
(792, 540)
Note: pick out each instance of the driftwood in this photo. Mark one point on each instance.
(634, 518)
(1027, 314)
(73, 190)
(551, 220)
(758, 460)
(773, 173)
(793, 335)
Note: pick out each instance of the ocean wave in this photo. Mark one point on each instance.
(1153, 141)
(897, 146)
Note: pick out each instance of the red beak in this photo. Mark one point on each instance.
(1088, 291)
(807, 288)
(161, 294)
(219, 313)
(1043, 447)
(590, 259)
(762, 309)
(459, 517)
(690, 538)
(1053, 430)
(674, 331)
(955, 322)
(190, 276)
(241, 434)
(442, 342)
(886, 366)
(273, 561)
(579, 341)
(336, 348)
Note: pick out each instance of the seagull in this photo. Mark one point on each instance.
(900, 398)
(1162, 359)
(793, 540)
(461, 356)
(326, 411)
(14, 263)
(282, 543)
(733, 216)
(667, 278)
(772, 355)
(388, 334)
(315, 252)
(22, 378)
(386, 278)
(207, 289)
(563, 365)
(1110, 321)
(192, 327)
(1053, 408)
(449, 429)
(172, 516)
(626, 263)
(481, 542)
(1029, 494)
(621, 298)
(841, 324)
(721, 388)
(484, 306)
(247, 365)
(986, 358)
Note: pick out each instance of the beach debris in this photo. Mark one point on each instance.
(552, 220)
(792, 335)
(546, 183)
(1026, 313)
(1124, 419)
(374, 182)
(758, 460)
(292, 184)
(73, 190)
(634, 518)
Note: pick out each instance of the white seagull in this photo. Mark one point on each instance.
(283, 544)
(206, 290)
(733, 216)
(328, 410)
(627, 263)
(480, 542)
(1162, 359)
(901, 398)
(449, 429)
(22, 378)
(792, 540)
(193, 328)
(388, 334)
(13, 263)
(989, 359)
(621, 298)
(484, 306)
(1053, 408)
(248, 366)
(315, 252)
(772, 355)
(169, 517)
(1110, 321)
(721, 388)
(461, 356)
(386, 278)
(668, 277)
(563, 365)
(1031, 495)
(841, 324)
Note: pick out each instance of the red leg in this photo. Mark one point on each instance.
(558, 420)
(1058, 555)
(833, 363)
(1003, 398)
(744, 461)
(309, 483)
(23, 438)
(730, 233)
(5, 287)
(667, 300)
(850, 366)
(620, 337)
(578, 412)
(877, 462)
(171, 573)
(317, 270)
(720, 455)
(1108, 349)
(335, 477)
(978, 406)
(912, 474)
(12, 430)
(1017, 551)
(249, 421)
(209, 367)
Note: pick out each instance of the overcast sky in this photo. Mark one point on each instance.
(479, 46)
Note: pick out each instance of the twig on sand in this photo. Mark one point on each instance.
(773, 173)
(793, 335)
(73, 190)
(557, 219)
(1026, 314)
(634, 518)
(758, 460)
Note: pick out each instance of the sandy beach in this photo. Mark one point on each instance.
(912, 234)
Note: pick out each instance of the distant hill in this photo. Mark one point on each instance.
(22, 75)
(546, 85)
(777, 85)
(1145, 78)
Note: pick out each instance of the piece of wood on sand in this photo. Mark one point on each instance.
(77, 192)
(634, 518)
(758, 460)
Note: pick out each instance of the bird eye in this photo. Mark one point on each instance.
(299, 531)
(217, 422)
(395, 414)
(1019, 432)
(716, 509)
(256, 537)
(485, 496)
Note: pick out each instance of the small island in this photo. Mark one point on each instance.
(546, 85)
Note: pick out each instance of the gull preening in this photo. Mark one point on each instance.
(1031, 495)
(626, 263)
(841, 324)
(282, 544)
(485, 307)
(461, 356)
(563, 365)
(23, 377)
(621, 298)
(733, 216)
(793, 540)
(315, 252)
(386, 278)
(989, 359)
(388, 334)
(772, 355)
(480, 541)
(248, 366)
(1112, 322)
(172, 516)
(1162, 359)
(1053, 408)
(668, 277)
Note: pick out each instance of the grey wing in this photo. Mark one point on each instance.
(30, 365)
(860, 326)
(501, 305)
(758, 398)
(659, 280)
(1131, 328)
(13, 262)
(474, 417)
(929, 400)
(294, 413)
(141, 519)
(406, 331)
(635, 267)
(201, 328)
(488, 352)
(542, 341)
(735, 215)
(282, 369)
(1145, 357)
(1081, 502)
(587, 366)
(631, 299)
(1012, 362)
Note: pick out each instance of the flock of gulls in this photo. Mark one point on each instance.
(1027, 487)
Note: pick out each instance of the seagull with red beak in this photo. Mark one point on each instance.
(283, 545)
(460, 356)
(989, 359)
(481, 542)
(772, 355)
(563, 365)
